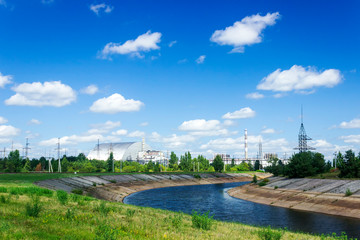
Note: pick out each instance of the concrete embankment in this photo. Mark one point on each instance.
(117, 187)
(315, 195)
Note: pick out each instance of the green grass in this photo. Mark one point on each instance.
(30, 212)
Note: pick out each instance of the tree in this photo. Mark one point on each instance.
(218, 164)
(350, 167)
(300, 165)
(232, 163)
(27, 166)
(318, 162)
(110, 163)
(257, 165)
(173, 160)
(64, 164)
(14, 162)
(186, 162)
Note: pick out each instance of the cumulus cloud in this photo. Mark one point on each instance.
(114, 104)
(101, 128)
(136, 134)
(97, 8)
(35, 121)
(199, 125)
(298, 78)
(351, 139)
(4, 79)
(248, 31)
(8, 131)
(242, 113)
(200, 59)
(3, 120)
(254, 95)
(120, 132)
(90, 90)
(355, 123)
(268, 131)
(143, 43)
(75, 139)
(39, 94)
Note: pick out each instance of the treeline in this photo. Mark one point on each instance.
(306, 164)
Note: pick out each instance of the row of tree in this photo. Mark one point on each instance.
(306, 164)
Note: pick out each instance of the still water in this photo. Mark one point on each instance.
(214, 198)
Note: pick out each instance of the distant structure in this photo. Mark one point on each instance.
(127, 151)
(303, 138)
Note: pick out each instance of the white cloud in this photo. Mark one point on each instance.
(199, 125)
(321, 143)
(144, 124)
(172, 43)
(229, 123)
(242, 113)
(4, 79)
(114, 104)
(35, 121)
(355, 123)
(298, 78)
(37, 94)
(8, 131)
(97, 8)
(279, 95)
(103, 127)
(201, 59)
(90, 90)
(143, 43)
(244, 32)
(75, 139)
(136, 134)
(351, 139)
(3, 120)
(268, 131)
(254, 95)
(120, 132)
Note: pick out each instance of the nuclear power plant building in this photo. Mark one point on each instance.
(125, 151)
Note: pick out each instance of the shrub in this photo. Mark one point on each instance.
(201, 221)
(197, 176)
(269, 234)
(113, 181)
(348, 193)
(3, 190)
(33, 208)
(276, 187)
(262, 183)
(94, 184)
(77, 191)
(254, 180)
(266, 180)
(62, 196)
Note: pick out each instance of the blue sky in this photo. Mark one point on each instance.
(187, 76)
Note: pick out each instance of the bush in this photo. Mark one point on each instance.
(276, 187)
(77, 191)
(94, 184)
(113, 181)
(348, 193)
(254, 180)
(3, 190)
(33, 208)
(269, 234)
(262, 183)
(197, 176)
(266, 180)
(201, 221)
(62, 196)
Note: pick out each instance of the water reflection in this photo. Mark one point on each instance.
(214, 198)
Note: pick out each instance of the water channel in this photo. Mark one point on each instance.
(214, 198)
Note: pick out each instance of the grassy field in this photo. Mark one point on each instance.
(30, 212)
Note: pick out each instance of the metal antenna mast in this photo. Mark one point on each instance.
(303, 138)
(59, 161)
(27, 148)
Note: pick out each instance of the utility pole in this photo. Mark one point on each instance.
(27, 148)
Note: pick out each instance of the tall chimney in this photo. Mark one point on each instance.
(246, 146)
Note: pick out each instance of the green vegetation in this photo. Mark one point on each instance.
(218, 164)
(270, 234)
(83, 217)
(348, 193)
(254, 180)
(201, 221)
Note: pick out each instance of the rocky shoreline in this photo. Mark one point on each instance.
(314, 195)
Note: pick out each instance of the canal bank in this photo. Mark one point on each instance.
(314, 195)
(117, 187)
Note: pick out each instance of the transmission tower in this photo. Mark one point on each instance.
(26, 148)
(3, 151)
(303, 138)
(59, 161)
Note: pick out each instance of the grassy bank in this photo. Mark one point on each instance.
(30, 212)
